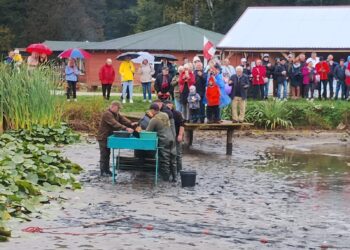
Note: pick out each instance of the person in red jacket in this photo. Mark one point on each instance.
(259, 80)
(186, 80)
(213, 101)
(322, 69)
(107, 76)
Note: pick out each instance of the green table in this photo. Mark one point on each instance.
(147, 141)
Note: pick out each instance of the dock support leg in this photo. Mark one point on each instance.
(229, 142)
(188, 137)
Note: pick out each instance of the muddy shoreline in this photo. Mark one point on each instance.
(233, 206)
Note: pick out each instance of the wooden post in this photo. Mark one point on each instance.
(188, 137)
(229, 141)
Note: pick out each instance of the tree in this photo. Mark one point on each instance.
(12, 15)
(64, 20)
(6, 38)
(149, 15)
(120, 18)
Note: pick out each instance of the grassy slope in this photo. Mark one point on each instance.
(85, 114)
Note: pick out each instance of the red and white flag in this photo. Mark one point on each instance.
(208, 49)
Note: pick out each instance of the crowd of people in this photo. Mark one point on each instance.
(303, 76)
(15, 59)
(200, 92)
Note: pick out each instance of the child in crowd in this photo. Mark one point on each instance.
(213, 101)
(193, 104)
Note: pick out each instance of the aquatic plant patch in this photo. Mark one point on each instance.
(47, 135)
(29, 97)
(28, 172)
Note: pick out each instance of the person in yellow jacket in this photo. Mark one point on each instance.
(126, 71)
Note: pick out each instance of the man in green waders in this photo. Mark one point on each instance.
(160, 123)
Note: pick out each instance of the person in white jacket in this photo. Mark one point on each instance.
(146, 71)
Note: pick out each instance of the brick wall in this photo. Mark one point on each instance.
(98, 59)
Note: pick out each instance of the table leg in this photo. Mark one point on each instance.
(229, 142)
(189, 137)
(113, 166)
(118, 163)
(156, 177)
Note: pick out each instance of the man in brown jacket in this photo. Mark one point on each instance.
(111, 121)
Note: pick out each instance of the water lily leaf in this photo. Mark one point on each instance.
(27, 186)
(5, 215)
(33, 178)
(29, 205)
(47, 159)
(18, 159)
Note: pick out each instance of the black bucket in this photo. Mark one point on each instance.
(188, 178)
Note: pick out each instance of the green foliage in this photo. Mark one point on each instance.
(270, 115)
(6, 38)
(297, 114)
(85, 114)
(28, 97)
(47, 135)
(28, 171)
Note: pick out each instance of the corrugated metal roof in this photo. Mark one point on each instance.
(63, 45)
(174, 37)
(316, 27)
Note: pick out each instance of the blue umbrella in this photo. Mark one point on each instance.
(75, 53)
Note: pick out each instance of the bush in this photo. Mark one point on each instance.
(270, 115)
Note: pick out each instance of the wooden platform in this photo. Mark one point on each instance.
(225, 125)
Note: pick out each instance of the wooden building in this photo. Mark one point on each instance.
(179, 39)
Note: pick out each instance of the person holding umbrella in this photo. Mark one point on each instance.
(72, 74)
(107, 77)
(127, 70)
(33, 60)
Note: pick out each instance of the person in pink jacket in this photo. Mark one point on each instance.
(308, 80)
(186, 80)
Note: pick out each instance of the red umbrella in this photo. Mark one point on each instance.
(75, 53)
(39, 48)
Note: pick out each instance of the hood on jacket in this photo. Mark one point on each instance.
(348, 58)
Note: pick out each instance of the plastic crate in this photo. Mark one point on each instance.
(132, 143)
(148, 135)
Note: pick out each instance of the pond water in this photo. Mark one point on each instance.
(271, 194)
(317, 180)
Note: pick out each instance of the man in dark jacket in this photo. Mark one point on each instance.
(201, 84)
(240, 84)
(172, 153)
(111, 121)
(180, 130)
(332, 65)
(164, 63)
(339, 75)
(269, 74)
(160, 123)
(162, 84)
(281, 78)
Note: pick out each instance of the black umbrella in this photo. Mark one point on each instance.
(131, 55)
(165, 56)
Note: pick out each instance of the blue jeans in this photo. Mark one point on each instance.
(266, 89)
(126, 84)
(280, 85)
(340, 86)
(146, 89)
(178, 105)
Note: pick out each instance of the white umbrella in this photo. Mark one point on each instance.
(143, 56)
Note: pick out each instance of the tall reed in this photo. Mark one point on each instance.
(28, 97)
